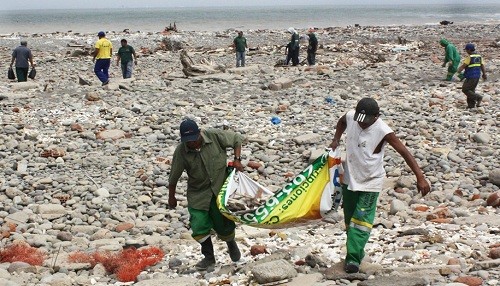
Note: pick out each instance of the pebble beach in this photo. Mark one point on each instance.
(85, 167)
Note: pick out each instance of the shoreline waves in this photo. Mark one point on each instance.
(244, 18)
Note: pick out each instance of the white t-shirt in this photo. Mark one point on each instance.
(364, 169)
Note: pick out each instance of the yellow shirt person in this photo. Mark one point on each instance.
(104, 49)
(102, 58)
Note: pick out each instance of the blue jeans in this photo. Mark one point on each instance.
(127, 69)
(240, 59)
(101, 69)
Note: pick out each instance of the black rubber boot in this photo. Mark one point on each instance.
(207, 263)
(478, 100)
(234, 251)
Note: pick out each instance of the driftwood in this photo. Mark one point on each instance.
(171, 28)
(369, 55)
(189, 68)
(82, 81)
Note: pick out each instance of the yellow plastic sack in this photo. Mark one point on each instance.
(312, 194)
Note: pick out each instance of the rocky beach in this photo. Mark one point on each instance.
(85, 167)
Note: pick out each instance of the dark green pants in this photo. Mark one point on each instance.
(202, 223)
(469, 89)
(452, 69)
(359, 213)
(22, 74)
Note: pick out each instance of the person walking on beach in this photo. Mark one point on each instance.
(366, 138)
(125, 54)
(452, 57)
(202, 153)
(293, 47)
(312, 47)
(473, 66)
(102, 57)
(240, 46)
(24, 58)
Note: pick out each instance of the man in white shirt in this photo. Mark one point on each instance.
(366, 137)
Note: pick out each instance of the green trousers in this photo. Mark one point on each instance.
(452, 69)
(202, 222)
(359, 213)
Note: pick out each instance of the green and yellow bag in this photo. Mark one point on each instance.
(311, 195)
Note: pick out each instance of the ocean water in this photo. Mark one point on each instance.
(245, 18)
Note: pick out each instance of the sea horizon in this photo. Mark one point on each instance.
(216, 18)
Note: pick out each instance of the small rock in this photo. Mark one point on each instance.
(257, 249)
(494, 177)
(494, 200)
(470, 280)
(495, 253)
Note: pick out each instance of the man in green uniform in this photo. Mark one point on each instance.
(366, 138)
(293, 47)
(452, 57)
(202, 153)
(124, 55)
(312, 48)
(240, 45)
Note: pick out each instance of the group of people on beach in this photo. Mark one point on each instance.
(473, 65)
(101, 56)
(202, 152)
(292, 48)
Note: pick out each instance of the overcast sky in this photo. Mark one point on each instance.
(95, 4)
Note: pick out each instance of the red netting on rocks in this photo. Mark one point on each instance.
(22, 252)
(126, 264)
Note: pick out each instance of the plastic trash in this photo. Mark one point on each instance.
(330, 100)
(400, 49)
(275, 120)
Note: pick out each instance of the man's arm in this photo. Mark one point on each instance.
(483, 70)
(422, 184)
(237, 162)
(231, 139)
(12, 62)
(118, 58)
(461, 68)
(339, 130)
(94, 54)
(135, 56)
(172, 200)
(31, 60)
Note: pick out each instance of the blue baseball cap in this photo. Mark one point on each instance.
(189, 131)
(101, 34)
(470, 47)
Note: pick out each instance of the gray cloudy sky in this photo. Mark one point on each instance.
(93, 4)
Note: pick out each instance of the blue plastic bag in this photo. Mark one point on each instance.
(275, 120)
